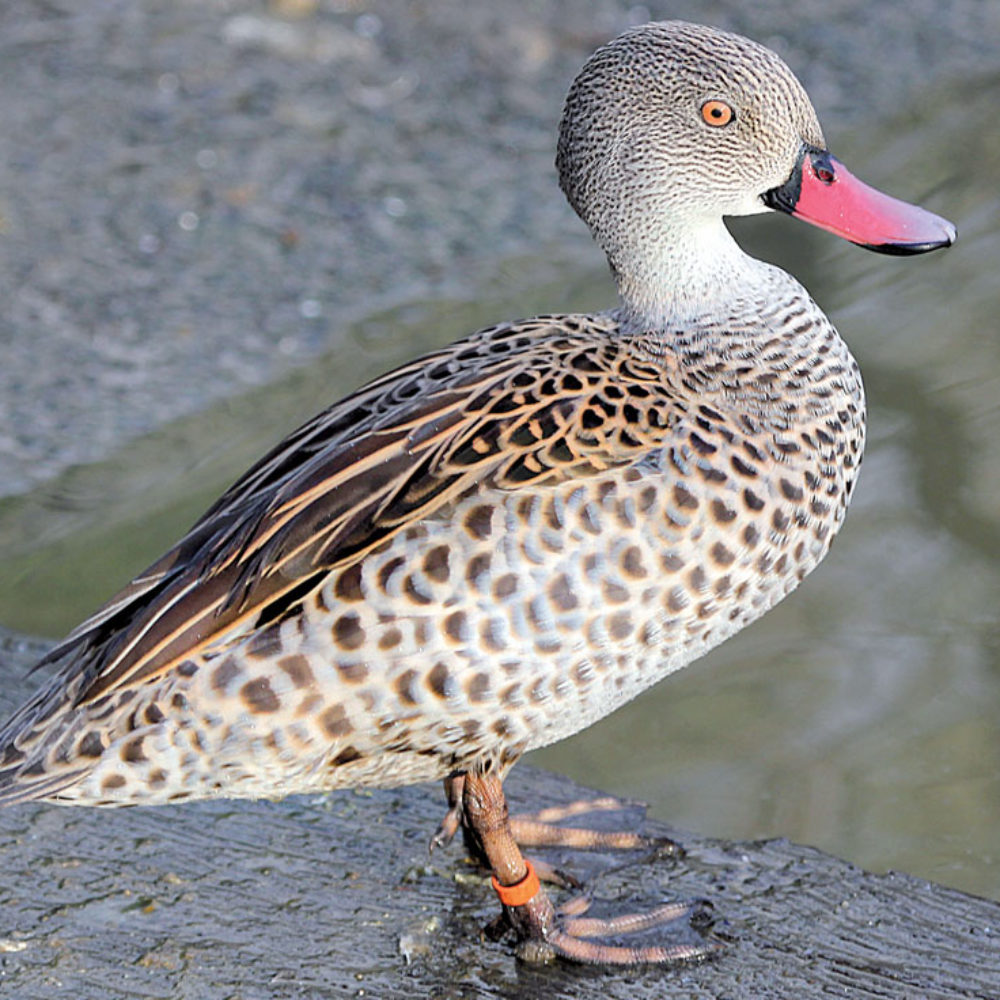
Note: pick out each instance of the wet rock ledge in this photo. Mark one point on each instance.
(337, 896)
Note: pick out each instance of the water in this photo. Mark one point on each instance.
(861, 714)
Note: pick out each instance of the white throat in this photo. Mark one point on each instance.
(692, 273)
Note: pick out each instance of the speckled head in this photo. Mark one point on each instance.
(672, 126)
(635, 149)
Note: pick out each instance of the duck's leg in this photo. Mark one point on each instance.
(543, 931)
(526, 904)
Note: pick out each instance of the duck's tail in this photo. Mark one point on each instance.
(33, 762)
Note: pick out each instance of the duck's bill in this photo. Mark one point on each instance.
(824, 192)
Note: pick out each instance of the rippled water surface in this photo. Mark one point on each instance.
(862, 714)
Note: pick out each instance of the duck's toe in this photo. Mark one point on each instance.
(545, 933)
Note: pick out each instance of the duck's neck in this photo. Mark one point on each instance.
(690, 276)
(740, 328)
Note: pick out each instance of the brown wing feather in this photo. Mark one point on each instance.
(521, 403)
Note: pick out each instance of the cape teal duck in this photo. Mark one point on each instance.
(494, 546)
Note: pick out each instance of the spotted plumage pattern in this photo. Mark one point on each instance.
(473, 556)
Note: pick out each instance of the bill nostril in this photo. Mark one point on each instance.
(822, 167)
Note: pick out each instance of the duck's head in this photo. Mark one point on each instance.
(672, 125)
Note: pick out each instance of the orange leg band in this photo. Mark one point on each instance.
(520, 892)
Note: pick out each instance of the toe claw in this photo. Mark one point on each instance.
(664, 847)
(441, 838)
(702, 914)
(447, 828)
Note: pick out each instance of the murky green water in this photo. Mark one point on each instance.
(862, 714)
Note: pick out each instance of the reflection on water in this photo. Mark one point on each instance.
(860, 715)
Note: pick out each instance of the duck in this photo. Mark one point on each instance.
(495, 545)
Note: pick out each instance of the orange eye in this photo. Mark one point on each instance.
(717, 113)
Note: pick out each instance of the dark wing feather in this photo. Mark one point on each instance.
(521, 403)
